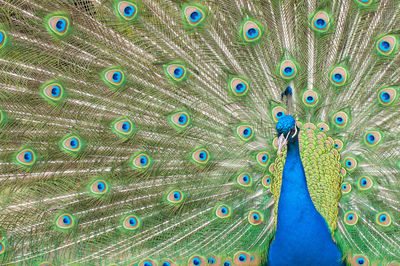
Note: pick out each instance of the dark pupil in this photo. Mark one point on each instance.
(336, 145)
(211, 261)
(65, 220)
(165, 264)
(147, 264)
(371, 137)
(246, 131)
(223, 210)
(194, 15)
(142, 161)
(100, 186)
(348, 163)
(54, 91)
(115, 76)
(251, 31)
(73, 143)
(227, 264)
(176, 195)
(264, 158)
(124, 126)
(59, 24)
(268, 180)
(239, 86)
(255, 217)
(340, 119)
(245, 178)
(201, 155)
(181, 118)
(344, 187)
(241, 258)
(360, 261)
(196, 262)
(386, 96)
(385, 44)
(383, 218)
(320, 22)
(279, 114)
(128, 10)
(338, 76)
(288, 69)
(132, 221)
(310, 98)
(351, 217)
(364, 182)
(322, 129)
(177, 72)
(27, 156)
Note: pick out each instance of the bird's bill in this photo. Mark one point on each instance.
(282, 141)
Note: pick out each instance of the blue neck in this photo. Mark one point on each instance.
(302, 235)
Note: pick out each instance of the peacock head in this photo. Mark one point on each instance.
(287, 130)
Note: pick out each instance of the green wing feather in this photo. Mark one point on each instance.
(97, 166)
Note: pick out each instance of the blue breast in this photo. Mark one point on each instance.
(302, 236)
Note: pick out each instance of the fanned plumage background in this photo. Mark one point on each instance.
(99, 39)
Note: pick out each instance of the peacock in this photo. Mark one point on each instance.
(199, 132)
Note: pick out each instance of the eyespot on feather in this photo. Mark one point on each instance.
(266, 181)
(365, 183)
(386, 96)
(147, 262)
(310, 98)
(338, 76)
(52, 91)
(364, 3)
(179, 120)
(387, 45)
(245, 132)
(176, 72)
(288, 69)
(194, 15)
(99, 187)
(213, 260)
(58, 24)
(65, 221)
(45, 263)
(241, 258)
(140, 161)
(321, 22)
(175, 196)
(123, 127)
(346, 188)
(278, 112)
(127, 10)
(238, 86)
(360, 260)
(196, 261)
(350, 218)
(114, 77)
(2, 247)
(71, 144)
(262, 158)
(167, 262)
(223, 211)
(338, 144)
(3, 38)
(340, 119)
(372, 138)
(200, 156)
(251, 31)
(131, 222)
(383, 219)
(255, 218)
(26, 157)
(350, 163)
(323, 127)
(244, 179)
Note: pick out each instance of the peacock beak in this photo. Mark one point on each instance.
(282, 141)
